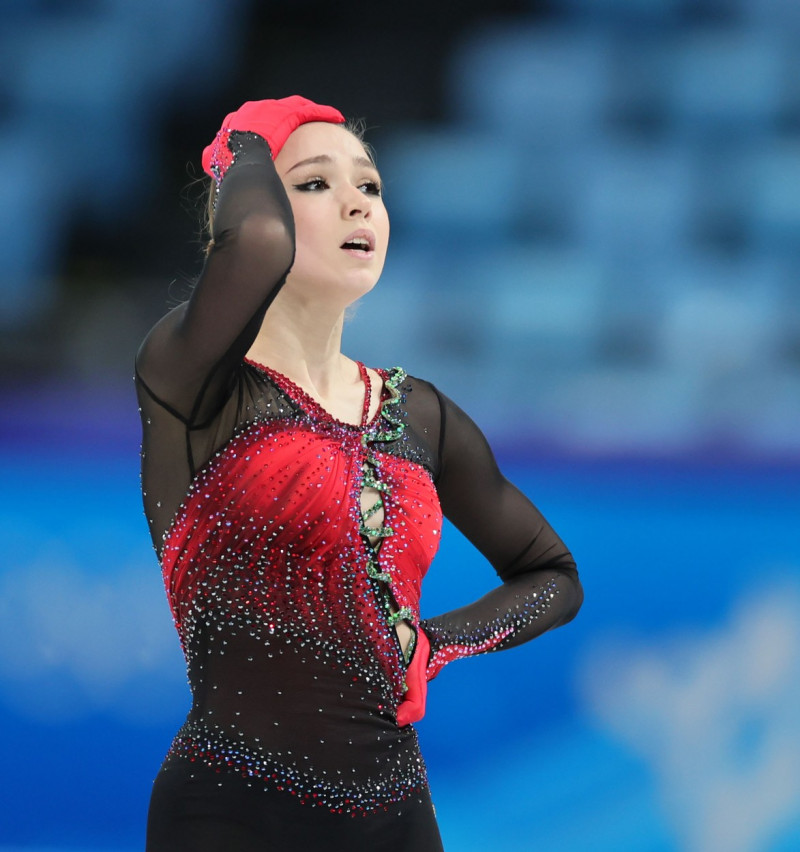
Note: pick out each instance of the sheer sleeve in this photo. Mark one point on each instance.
(540, 588)
(188, 369)
(187, 360)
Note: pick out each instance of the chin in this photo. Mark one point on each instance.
(356, 291)
(338, 293)
(357, 282)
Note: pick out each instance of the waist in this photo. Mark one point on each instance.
(344, 771)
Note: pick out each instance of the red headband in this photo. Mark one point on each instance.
(274, 120)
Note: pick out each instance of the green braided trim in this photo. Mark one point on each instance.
(395, 426)
(391, 432)
(403, 613)
(388, 427)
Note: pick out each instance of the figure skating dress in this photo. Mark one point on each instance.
(293, 548)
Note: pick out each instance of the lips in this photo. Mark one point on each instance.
(360, 243)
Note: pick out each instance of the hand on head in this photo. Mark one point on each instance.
(273, 120)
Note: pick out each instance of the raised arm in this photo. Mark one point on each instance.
(187, 361)
(540, 588)
(187, 358)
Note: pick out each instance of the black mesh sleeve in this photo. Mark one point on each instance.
(187, 367)
(187, 359)
(540, 588)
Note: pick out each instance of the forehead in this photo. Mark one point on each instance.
(317, 138)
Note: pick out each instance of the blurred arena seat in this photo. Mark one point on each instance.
(85, 84)
(625, 179)
(585, 162)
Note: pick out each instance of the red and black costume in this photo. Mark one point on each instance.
(284, 592)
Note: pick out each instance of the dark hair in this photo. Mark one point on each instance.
(356, 126)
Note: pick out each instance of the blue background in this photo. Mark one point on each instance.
(521, 750)
(595, 251)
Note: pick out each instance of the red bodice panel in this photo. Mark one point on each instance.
(286, 610)
(280, 506)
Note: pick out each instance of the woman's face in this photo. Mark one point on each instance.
(341, 224)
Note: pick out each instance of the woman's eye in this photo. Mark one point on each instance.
(371, 187)
(313, 185)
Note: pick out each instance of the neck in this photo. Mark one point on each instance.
(303, 340)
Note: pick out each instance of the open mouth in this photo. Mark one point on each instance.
(361, 241)
(357, 245)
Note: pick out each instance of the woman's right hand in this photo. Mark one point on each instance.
(273, 120)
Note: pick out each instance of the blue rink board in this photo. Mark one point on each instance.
(517, 758)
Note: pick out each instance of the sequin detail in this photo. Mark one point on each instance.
(213, 750)
(221, 155)
(447, 645)
(388, 428)
(292, 654)
(226, 147)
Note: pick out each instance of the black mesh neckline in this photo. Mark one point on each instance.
(305, 401)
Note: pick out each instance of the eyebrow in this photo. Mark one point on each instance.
(325, 158)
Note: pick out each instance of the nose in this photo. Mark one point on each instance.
(356, 203)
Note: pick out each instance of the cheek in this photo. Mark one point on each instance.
(306, 224)
(381, 220)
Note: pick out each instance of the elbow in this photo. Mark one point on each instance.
(260, 234)
(573, 596)
(273, 236)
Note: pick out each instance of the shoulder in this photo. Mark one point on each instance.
(425, 406)
(399, 379)
(413, 392)
(423, 395)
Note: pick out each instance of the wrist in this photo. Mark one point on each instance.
(234, 147)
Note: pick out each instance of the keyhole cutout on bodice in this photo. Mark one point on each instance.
(373, 515)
